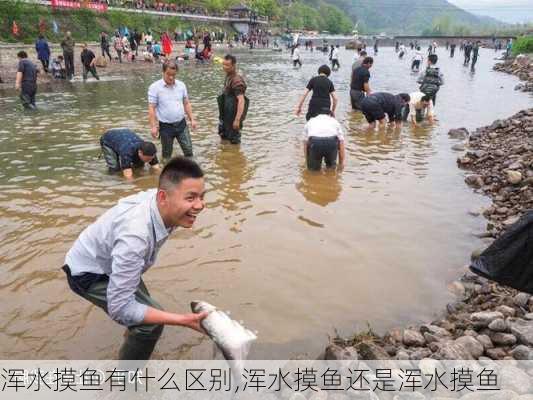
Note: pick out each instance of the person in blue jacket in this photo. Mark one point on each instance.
(43, 52)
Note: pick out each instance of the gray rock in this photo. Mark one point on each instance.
(522, 329)
(371, 351)
(420, 354)
(514, 177)
(402, 355)
(503, 339)
(498, 124)
(521, 352)
(496, 354)
(461, 133)
(335, 352)
(515, 379)
(521, 299)
(499, 153)
(474, 180)
(498, 325)
(484, 318)
(463, 348)
(506, 311)
(485, 341)
(434, 330)
(458, 147)
(413, 338)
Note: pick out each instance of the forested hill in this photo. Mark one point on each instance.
(408, 16)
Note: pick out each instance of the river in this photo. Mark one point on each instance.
(297, 256)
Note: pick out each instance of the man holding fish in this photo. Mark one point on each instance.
(105, 264)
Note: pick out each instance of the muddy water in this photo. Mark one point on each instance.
(295, 255)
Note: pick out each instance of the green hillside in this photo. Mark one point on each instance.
(412, 16)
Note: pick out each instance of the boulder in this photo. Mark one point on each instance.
(503, 339)
(463, 348)
(460, 133)
(498, 325)
(514, 177)
(371, 351)
(482, 319)
(522, 329)
(521, 352)
(474, 180)
(413, 338)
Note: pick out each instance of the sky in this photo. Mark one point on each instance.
(511, 11)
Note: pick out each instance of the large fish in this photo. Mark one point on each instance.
(231, 338)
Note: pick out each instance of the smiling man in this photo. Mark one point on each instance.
(105, 264)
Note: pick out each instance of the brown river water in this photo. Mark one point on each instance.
(297, 256)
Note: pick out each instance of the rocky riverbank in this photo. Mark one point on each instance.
(521, 66)
(487, 320)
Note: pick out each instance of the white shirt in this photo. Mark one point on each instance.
(402, 48)
(335, 54)
(296, 54)
(148, 38)
(418, 56)
(416, 97)
(323, 126)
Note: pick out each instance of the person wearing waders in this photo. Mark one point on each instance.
(68, 54)
(106, 263)
(475, 54)
(359, 84)
(324, 97)
(26, 81)
(323, 140)
(432, 79)
(232, 103)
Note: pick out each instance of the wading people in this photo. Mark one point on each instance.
(359, 60)
(475, 54)
(232, 103)
(323, 99)
(419, 108)
(68, 54)
(432, 79)
(418, 57)
(377, 105)
(323, 140)
(43, 52)
(468, 52)
(104, 45)
(168, 103)
(123, 151)
(359, 85)
(335, 58)
(106, 263)
(88, 61)
(26, 80)
(118, 45)
(452, 49)
(296, 56)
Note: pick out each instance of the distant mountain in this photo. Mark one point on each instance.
(408, 16)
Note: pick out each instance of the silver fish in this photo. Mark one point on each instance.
(231, 338)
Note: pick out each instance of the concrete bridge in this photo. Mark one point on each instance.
(241, 25)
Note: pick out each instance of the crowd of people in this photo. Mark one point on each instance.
(324, 139)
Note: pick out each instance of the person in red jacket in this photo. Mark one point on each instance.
(167, 44)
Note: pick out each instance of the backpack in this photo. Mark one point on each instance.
(431, 82)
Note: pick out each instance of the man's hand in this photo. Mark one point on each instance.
(298, 111)
(193, 320)
(155, 132)
(194, 124)
(236, 126)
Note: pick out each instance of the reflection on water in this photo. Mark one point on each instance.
(294, 254)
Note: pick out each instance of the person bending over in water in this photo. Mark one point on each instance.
(376, 105)
(123, 151)
(324, 140)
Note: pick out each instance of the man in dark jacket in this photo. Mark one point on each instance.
(26, 80)
(88, 60)
(376, 105)
(43, 52)
(123, 151)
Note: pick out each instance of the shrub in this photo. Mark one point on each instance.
(523, 45)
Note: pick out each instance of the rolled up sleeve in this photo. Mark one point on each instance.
(127, 267)
(152, 95)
